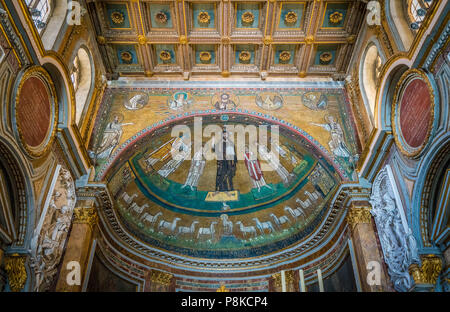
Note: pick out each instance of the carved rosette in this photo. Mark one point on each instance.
(336, 17)
(325, 58)
(117, 17)
(85, 216)
(247, 18)
(17, 274)
(359, 215)
(290, 18)
(244, 57)
(428, 272)
(285, 56)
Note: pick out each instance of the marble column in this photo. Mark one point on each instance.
(78, 246)
(366, 248)
(159, 281)
(425, 275)
(291, 278)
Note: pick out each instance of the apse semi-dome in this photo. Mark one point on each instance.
(179, 201)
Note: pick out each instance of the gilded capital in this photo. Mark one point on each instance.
(85, 216)
(277, 278)
(359, 215)
(160, 277)
(428, 272)
(17, 274)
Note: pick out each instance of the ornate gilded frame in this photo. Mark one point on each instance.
(404, 81)
(44, 146)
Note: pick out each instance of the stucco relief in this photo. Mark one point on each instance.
(51, 233)
(397, 241)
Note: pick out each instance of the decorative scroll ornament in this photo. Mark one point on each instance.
(244, 57)
(247, 18)
(290, 18)
(50, 236)
(126, 57)
(117, 17)
(325, 58)
(17, 274)
(161, 18)
(336, 17)
(205, 57)
(165, 56)
(285, 56)
(397, 242)
(428, 272)
(203, 17)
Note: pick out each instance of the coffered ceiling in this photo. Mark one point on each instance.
(230, 38)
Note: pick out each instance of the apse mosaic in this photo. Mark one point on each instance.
(268, 191)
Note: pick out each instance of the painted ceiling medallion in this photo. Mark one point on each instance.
(325, 58)
(248, 18)
(203, 17)
(161, 18)
(244, 57)
(126, 57)
(285, 56)
(117, 17)
(336, 17)
(205, 57)
(291, 18)
(165, 56)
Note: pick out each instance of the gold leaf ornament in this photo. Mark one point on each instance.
(336, 17)
(117, 17)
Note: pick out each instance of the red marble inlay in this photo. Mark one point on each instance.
(415, 113)
(34, 111)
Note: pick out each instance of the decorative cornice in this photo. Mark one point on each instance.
(428, 272)
(17, 274)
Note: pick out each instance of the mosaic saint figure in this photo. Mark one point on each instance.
(254, 169)
(225, 102)
(196, 170)
(111, 137)
(179, 101)
(226, 163)
(337, 143)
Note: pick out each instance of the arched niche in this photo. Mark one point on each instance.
(54, 24)
(82, 76)
(384, 107)
(398, 20)
(16, 200)
(370, 69)
(64, 102)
